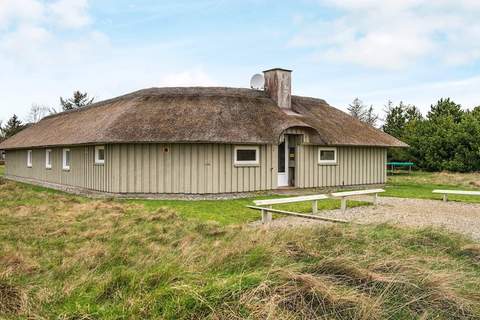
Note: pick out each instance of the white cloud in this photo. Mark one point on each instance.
(34, 34)
(70, 13)
(21, 11)
(194, 77)
(62, 13)
(396, 33)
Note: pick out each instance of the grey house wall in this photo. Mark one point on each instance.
(355, 166)
(151, 168)
(194, 168)
(83, 172)
(187, 168)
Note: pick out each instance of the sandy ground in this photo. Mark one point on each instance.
(454, 216)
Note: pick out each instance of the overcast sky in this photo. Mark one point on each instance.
(412, 50)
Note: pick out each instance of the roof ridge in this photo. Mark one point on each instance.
(144, 92)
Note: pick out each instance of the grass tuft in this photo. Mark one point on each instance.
(12, 299)
(305, 296)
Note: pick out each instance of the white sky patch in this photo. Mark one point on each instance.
(394, 34)
(462, 91)
(21, 11)
(195, 77)
(70, 13)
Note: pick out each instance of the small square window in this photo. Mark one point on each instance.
(99, 155)
(29, 158)
(327, 155)
(247, 156)
(66, 159)
(48, 159)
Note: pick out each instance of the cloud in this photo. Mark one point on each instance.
(21, 11)
(35, 35)
(194, 77)
(67, 14)
(394, 34)
(70, 13)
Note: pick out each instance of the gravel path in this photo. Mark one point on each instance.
(454, 216)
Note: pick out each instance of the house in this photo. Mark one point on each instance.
(200, 140)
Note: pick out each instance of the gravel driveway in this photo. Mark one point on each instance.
(454, 216)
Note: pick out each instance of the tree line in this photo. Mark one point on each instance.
(38, 112)
(446, 139)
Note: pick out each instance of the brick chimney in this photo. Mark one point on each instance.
(278, 85)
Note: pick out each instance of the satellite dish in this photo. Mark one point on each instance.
(257, 82)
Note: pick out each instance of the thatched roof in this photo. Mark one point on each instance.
(194, 115)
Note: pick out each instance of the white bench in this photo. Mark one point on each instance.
(457, 192)
(267, 214)
(344, 195)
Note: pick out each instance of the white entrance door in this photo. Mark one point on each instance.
(283, 163)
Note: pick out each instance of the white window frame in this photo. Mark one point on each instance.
(97, 153)
(48, 158)
(256, 162)
(327, 162)
(29, 158)
(66, 166)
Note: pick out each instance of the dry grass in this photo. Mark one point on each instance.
(67, 257)
(305, 296)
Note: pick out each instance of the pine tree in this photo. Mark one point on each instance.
(363, 113)
(370, 117)
(12, 127)
(357, 109)
(79, 100)
(446, 108)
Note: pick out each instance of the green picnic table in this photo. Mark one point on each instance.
(394, 165)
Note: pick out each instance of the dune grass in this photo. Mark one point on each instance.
(420, 185)
(68, 257)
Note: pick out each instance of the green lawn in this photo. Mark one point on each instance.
(233, 211)
(2, 170)
(68, 257)
(421, 184)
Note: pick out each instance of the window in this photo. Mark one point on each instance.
(281, 157)
(247, 156)
(327, 156)
(29, 158)
(66, 159)
(48, 159)
(99, 155)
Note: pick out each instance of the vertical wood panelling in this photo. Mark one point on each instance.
(83, 171)
(355, 166)
(195, 168)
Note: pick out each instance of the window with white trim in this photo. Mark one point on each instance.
(66, 159)
(99, 155)
(246, 156)
(48, 159)
(29, 158)
(327, 155)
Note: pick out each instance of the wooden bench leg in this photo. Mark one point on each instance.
(266, 216)
(375, 199)
(445, 197)
(344, 205)
(314, 206)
